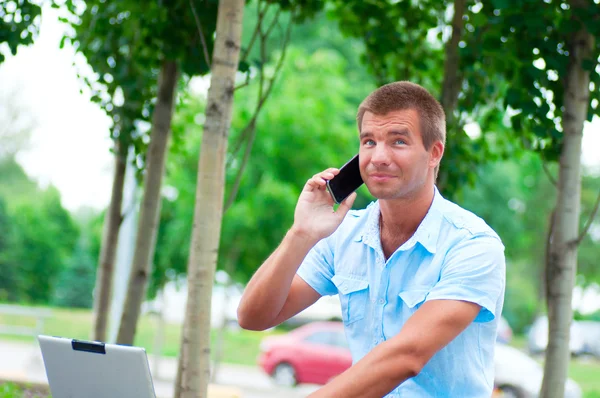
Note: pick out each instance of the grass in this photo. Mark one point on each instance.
(23, 390)
(587, 375)
(239, 346)
(585, 371)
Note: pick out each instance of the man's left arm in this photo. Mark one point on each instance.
(472, 277)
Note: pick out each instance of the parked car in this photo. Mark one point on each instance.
(517, 375)
(590, 330)
(537, 338)
(505, 332)
(326, 309)
(317, 352)
(313, 353)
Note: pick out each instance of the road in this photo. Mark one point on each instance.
(23, 362)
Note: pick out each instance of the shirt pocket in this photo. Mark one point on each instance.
(414, 297)
(354, 296)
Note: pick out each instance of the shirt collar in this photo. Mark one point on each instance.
(426, 234)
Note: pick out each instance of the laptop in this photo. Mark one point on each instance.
(91, 369)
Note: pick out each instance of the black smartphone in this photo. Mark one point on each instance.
(347, 181)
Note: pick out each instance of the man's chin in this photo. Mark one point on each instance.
(385, 194)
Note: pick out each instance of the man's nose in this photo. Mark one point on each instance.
(381, 155)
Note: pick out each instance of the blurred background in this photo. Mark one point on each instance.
(59, 125)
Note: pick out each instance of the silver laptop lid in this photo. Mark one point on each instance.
(77, 368)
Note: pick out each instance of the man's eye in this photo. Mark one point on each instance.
(400, 142)
(369, 142)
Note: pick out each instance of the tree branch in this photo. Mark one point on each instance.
(261, 97)
(263, 94)
(275, 21)
(548, 174)
(589, 222)
(238, 176)
(245, 83)
(261, 16)
(199, 26)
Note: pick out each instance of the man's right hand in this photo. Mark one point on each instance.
(314, 216)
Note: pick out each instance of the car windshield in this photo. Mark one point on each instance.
(331, 338)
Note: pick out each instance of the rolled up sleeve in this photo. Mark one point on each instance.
(317, 268)
(474, 270)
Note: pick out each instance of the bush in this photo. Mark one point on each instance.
(75, 285)
(520, 303)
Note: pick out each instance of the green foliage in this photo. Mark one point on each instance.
(37, 236)
(8, 264)
(15, 186)
(310, 126)
(535, 71)
(521, 302)
(19, 24)
(75, 284)
(45, 238)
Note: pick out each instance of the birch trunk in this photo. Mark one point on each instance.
(150, 207)
(561, 266)
(108, 251)
(194, 371)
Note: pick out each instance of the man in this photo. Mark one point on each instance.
(421, 280)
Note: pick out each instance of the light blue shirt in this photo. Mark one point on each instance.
(453, 255)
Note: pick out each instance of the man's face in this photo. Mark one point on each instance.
(393, 160)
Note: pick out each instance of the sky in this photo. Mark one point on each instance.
(70, 146)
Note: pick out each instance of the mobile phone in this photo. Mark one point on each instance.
(346, 181)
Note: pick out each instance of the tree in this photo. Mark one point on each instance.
(110, 38)
(551, 49)
(127, 44)
(565, 236)
(194, 370)
(108, 249)
(150, 207)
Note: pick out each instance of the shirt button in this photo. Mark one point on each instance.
(381, 301)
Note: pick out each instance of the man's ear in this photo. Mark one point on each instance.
(437, 151)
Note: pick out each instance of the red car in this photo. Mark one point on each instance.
(313, 353)
(317, 352)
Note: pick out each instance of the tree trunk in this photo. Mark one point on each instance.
(562, 264)
(108, 251)
(150, 208)
(452, 80)
(195, 344)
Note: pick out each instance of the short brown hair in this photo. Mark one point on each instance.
(406, 95)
